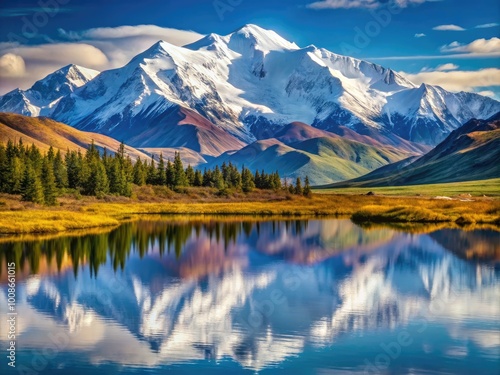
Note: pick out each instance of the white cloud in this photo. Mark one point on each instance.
(487, 93)
(448, 28)
(121, 44)
(42, 60)
(12, 65)
(478, 46)
(458, 80)
(63, 53)
(369, 4)
(487, 25)
(419, 35)
(446, 67)
(172, 36)
(98, 48)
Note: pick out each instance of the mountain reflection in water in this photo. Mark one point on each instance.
(276, 295)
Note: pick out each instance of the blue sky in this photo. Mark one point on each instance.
(453, 43)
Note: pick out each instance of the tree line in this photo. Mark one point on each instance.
(41, 178)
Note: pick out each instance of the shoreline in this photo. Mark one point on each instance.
(18, 217)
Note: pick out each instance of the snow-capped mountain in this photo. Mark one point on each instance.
(42, 98)
(249, 83)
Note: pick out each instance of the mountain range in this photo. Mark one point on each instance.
(472, 152)
(252, 95)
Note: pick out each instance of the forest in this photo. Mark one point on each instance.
(42, 177)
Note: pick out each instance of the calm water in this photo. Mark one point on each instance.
(217, 296)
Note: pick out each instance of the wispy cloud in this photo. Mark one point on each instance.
(440, 68)
(446, 67)
(98, 48)
(419, 35)
(434, 57)
(488, 93)
(487, 25)
(458, 80)
(20, 12)
(367, 4)
(478, 46)
(448, 28)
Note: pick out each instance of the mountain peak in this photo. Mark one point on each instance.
(73, 70)
(257, 37)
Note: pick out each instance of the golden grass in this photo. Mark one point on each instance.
(20, 217)
(490, 187)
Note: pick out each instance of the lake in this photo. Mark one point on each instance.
(236, 295)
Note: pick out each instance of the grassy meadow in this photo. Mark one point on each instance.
(395, 205)
(490, 188)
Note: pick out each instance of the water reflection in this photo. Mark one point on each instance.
(316, 295)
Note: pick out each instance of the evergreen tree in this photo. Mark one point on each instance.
(217, 179)
(15, 173)
(257, 179)
(116, 178)
(161, 174)
(234, 177)
(32, 189)
(73, 169)
(60, 173)
(198, 178)
(151, 172)
(180, 179)
(49, 181)
(298, 187)
(190, 175)
(170, 174)
(97, 183)
(51, 154)
(83, 169)
(3, 168)
(35, 157)
(307, 188)
(139, 173)
(247, 180)
(207, 178)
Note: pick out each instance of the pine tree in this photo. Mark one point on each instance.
(198, 178)
(60, 173)
(3, 169)
(83, 169)
(161, 174)
(170, 174)
(207, 178)
(139, 173)
(49, 181)
(32, 190)
(180, 179)
(190, 175)
(298, 187)
(307, 188)
(35, 157)
(116, 180)
(50, 154)
(217, 179)
(247, 180)
(257, 179)
(14, 175)
(97, 183)
(151, 172)
(72, 169)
